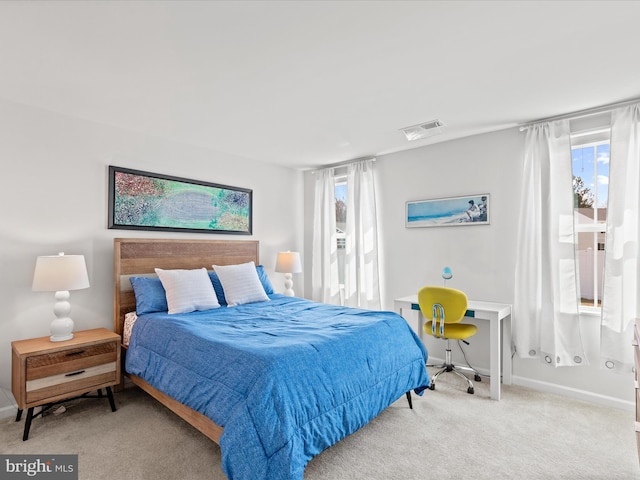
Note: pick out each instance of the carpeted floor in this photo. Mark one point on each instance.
(448, 435)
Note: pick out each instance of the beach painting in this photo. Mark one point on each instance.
(149, 201)
(446, 212)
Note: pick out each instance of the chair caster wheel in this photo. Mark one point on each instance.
(477, 378)
(470, 390)
(432, 386)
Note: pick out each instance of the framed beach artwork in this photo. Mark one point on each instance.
(150, 201)
(451, 211)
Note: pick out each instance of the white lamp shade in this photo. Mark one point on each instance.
(288, 262)
(59, 273)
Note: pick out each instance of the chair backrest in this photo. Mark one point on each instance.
(454, 302)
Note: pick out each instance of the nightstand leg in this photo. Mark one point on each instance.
(27, 424)
(19, 415)
(111, 401)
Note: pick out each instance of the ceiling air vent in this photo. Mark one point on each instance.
(423, 130)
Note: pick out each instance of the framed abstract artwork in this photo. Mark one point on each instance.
(451, 211)
(150, 201)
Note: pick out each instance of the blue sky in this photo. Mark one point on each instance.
(591, 163)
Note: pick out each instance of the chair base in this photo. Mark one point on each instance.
(452, 368)
(448, 366)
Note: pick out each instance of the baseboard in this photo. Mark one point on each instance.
(574, 393)
(8, 407)
(561, 390)
(8, 411)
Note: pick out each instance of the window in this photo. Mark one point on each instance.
(590, 168)
(341, 210)
(341, 225)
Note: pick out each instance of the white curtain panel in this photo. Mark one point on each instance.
(620, 305)
(546, 324)
(324, 272)
(361, 280)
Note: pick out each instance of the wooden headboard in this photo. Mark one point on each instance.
(140, 256)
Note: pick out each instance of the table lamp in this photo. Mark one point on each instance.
(288, 263)
(447, 274)
(60, 273)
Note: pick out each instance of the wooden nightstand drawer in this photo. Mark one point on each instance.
(40, 366)
(78, 379)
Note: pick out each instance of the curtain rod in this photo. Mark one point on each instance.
(344, 164)
(581, 113)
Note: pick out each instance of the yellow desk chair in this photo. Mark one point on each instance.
(445, 308)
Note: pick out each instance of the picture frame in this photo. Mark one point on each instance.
(448, 212)
(140, 200)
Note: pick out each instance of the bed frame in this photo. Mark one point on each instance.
(139, 257)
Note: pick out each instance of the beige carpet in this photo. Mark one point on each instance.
(448, 435)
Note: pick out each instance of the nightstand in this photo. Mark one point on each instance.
(45, 373)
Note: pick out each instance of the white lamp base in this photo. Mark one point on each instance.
(62, 326)
(288, 285)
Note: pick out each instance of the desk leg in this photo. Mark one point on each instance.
(420, 325)
(495, 353)
(507, 362)
(400, 307)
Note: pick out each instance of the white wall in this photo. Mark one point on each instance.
(482, 257)
(54, 198)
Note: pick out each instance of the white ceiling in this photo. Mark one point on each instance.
(310, 83)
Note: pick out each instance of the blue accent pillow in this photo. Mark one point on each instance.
(217, 285)
(266, 283)
(150, 295)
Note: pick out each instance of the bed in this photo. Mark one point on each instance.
(273, 382)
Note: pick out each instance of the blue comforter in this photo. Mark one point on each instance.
(285, 379)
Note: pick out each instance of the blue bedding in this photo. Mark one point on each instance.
(285, 378)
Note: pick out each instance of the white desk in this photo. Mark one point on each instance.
(499, 317)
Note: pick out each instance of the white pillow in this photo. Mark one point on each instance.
(188, 290)
(241, 283)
